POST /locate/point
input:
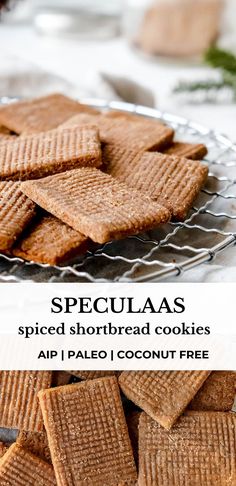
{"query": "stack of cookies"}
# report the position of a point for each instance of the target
(146, 428)
(71, 176)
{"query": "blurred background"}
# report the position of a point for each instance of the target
(178, 55)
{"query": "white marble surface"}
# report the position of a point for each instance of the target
(79, 63)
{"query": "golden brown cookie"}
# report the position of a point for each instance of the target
(217, 393)
(172, 181)
(19, 467)
(49, 240)
(198, 451)
(96, 204)
(16, 212)
(117, 159)
(19, 406)
(188, 150)
(35, 156)
(40, 114)
(87, 434)
(162, 394)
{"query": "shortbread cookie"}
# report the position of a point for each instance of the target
(36, 443)
(139, 134)
(19, 406)
(162, 394)
(217, 393)
(117, 159)
(19, 467)
(40, 114)
(16, 212)
(96, 204)
(188, 150)
(88, 435)
(172, 181)
(35, 156)
(49, 240)
(198, 451)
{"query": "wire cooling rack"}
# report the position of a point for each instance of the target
(170, 250)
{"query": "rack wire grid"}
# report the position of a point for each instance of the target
(170, 250)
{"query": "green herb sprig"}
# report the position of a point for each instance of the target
(219, 58)
(210, 90)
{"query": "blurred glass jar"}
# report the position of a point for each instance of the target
(175, 28)
(86, 19)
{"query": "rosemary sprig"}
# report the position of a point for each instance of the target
(211, 90)
(192, 86)
(219, 58)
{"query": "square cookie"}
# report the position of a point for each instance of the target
(40, 114)
(19, 405)
(96, 204)
(49, 240)
(16, 212)
(217, 393)
(198, 451)
(35, 156)
(188, 150)
(88, 435)
(19, 467)
(162, 394)
(173, 181)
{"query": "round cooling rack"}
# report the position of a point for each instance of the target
(169, 250)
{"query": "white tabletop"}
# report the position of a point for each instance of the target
(77, 60)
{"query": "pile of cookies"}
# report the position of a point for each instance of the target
(71, 176)
(145, 428)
